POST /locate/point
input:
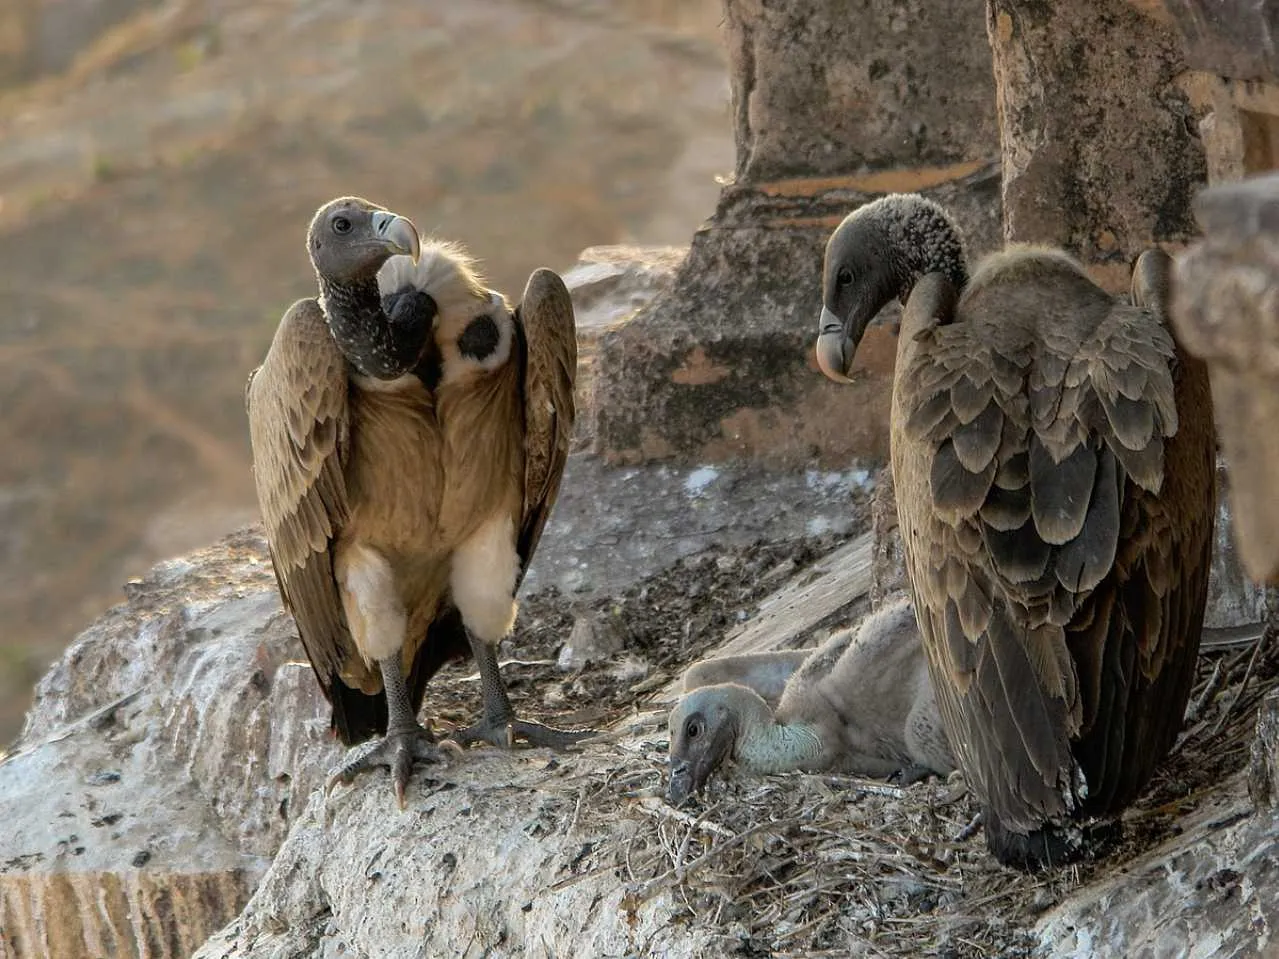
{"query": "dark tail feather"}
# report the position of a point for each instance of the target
(358, 716)
(1049, 846)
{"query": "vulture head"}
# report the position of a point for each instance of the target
(349, 240)
(877, 254)
(705, 728)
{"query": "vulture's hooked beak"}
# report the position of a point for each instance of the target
(689, 774)
(398, 233)
(835, 349)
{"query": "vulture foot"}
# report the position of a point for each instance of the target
(499, 727)
(398, 750)
(504, 733)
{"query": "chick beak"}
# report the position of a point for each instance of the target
(834, 348)
(689, 774)
(398, 233)
(682, 784)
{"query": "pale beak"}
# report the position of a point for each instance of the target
(398, 233)
(834, 349)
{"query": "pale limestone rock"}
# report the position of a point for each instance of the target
(482, 862)
(1263, 767)
(1210, 891)
(164, 758)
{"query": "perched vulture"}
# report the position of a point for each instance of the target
(1052, 450)
(409, 433)
(859, 703)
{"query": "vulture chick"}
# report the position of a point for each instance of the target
(409, 432)
(859, 703)
(1052, 450)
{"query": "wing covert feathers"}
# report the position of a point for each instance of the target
(548, 341)
(1053, 459)
(297, 405)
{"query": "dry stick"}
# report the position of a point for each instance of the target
(577, 810)
(791, 934)
(1243, 685)
(970, 830)
(652, 806)
(1204, 698)
(688, 837)
(681, 872)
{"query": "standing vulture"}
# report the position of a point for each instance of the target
(409, 433)
(1052, 450)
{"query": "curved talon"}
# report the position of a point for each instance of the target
(397, 751)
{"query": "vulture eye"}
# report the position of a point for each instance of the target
(844, 276)
(693, 729)
(341, 225)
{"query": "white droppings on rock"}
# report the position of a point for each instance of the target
(818, 526)
(696, 483)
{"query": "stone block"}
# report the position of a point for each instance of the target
(834, 103)
(1226, 310)
(1237, 121)
(721, 367)
(1234, 598)
(1231, 38)
(1100, 151)
(829, 87)
(609, 285)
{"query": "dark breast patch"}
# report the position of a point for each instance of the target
(480, 338)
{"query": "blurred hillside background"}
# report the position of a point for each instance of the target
(159, 163)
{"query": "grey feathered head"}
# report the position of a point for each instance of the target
(350, 238)
(877, 254)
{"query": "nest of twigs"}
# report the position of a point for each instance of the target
(805, 865)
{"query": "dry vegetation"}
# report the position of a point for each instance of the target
(807, 865)
(833, 865)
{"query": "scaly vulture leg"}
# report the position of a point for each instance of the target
(499, 726)
(406, 740)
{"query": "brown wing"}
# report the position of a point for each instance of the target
(297, 405)
(548, 341)
(1057, 521)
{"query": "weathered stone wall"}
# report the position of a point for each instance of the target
(1226, 310)
(834, 102)
(833, 87)
(1100, 151)
(1231, 38)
